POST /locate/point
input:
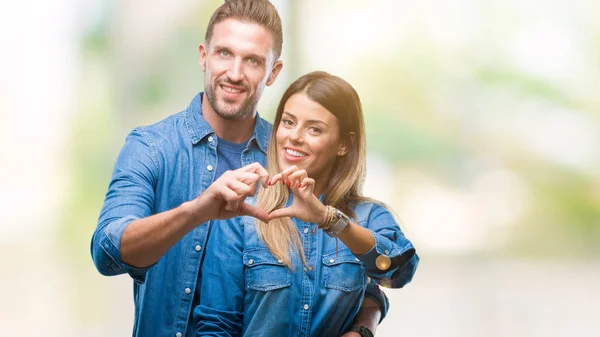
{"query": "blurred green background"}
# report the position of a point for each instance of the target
(483, 122)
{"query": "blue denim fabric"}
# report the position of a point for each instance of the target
(246, 291)
(160, 167)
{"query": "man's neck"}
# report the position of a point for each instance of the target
(235, 131)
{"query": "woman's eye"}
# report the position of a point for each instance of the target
(286, 122)
(314, 130)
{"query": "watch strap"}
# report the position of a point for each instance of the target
(340, 222)
(362, 330)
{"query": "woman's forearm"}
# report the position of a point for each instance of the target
(359, 239)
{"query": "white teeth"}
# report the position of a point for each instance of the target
(295, 153)
(228, 89)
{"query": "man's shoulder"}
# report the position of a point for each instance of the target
(167, 124)
(185, 123)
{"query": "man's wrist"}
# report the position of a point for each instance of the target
(362, 330)
(192, 214)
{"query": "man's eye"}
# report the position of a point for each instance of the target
(253, 61)
(224, 53)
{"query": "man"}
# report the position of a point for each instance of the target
(173, 179)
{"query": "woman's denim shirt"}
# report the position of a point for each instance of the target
(246, 291)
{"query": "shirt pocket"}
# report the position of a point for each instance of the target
(344, 271)
(264, 272)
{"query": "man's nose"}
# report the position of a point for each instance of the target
(236, 70)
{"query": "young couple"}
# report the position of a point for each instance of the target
(211, 257)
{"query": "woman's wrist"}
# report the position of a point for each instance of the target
(324, 213)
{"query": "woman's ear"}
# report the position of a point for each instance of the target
(343, 149)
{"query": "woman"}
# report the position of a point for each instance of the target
(304, 272)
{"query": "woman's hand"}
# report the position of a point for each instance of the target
(306, 206)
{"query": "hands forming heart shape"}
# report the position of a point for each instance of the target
(233, 187)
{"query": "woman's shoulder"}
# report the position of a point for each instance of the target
(368, 208)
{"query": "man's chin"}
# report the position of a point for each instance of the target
(230, 112)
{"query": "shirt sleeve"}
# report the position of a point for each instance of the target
(130, 197)
(390, 245)
(221, 309)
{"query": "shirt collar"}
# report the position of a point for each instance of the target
(199, 128)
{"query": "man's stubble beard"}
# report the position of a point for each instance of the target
(229, 112)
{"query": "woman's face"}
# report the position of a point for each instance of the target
(308, 136)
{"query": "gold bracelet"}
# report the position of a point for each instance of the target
(328, 218)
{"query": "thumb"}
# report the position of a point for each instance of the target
(280, 213)
(257, 212)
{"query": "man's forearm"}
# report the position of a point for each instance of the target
(146, 240)
(369, 315)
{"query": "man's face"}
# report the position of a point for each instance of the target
(238, 64)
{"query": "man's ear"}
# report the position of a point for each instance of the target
(203, 49)
(343, 149)
(274, 72)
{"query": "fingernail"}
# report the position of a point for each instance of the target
(299, 185)
(289, 183)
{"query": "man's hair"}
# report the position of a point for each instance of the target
(261, 12)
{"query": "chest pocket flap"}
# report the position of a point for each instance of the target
(344, 271)
(264, 272)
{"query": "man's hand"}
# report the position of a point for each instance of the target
(224, 198)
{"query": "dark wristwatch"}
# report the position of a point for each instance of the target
(362, 330)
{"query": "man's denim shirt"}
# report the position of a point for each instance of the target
(251, 293)
(160, 167)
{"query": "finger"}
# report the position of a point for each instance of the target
(297, 177)
(290, 170)
(250, 179)
(275, 179)
(280, 213)
(225, 193)
(232, 205)
(285, 173)
(258, 169)
(307, 184)
(257, 212)
(246, 177)
(240, 188)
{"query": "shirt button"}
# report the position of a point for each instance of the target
(306, 307)
(198, 248)
(314, 231)
(305, 230)
(209, 168)
(383, 262)
(305, 269)
(280, 261)
(311, 267)
(331, 261)
(188, 290)
(387, 252)
(210, 138)
(178, 334)
(356, 259)
(250, 261)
